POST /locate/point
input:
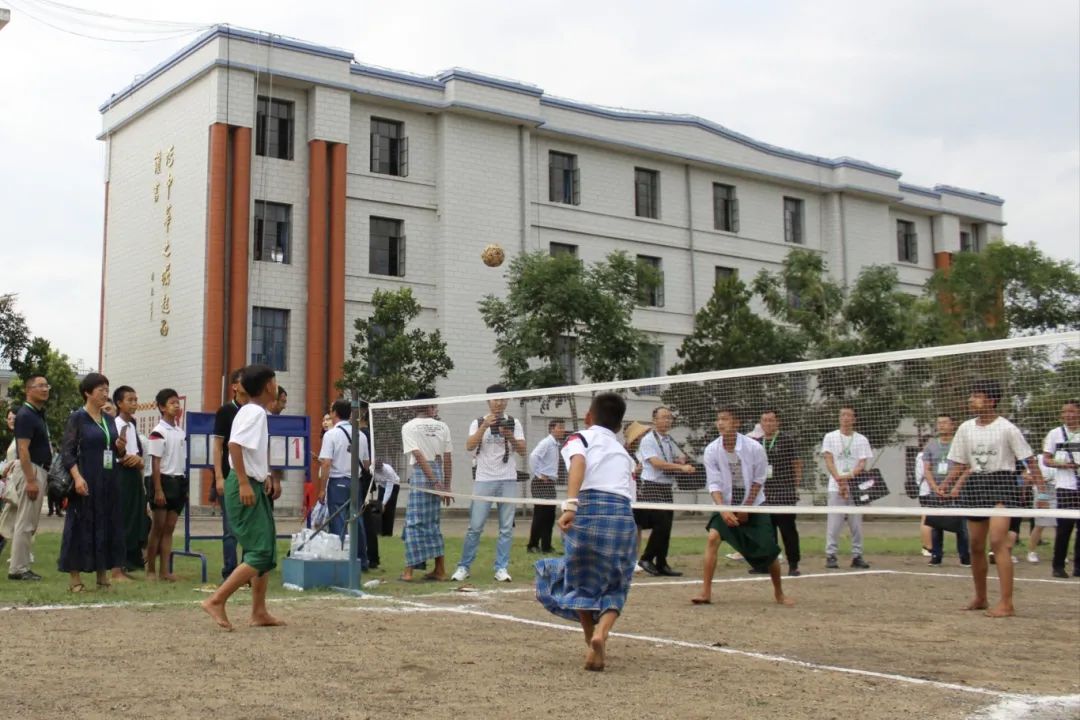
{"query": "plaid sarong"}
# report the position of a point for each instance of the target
(600, 554)
(422, 534)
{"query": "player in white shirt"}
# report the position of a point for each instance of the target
(845, 453)
(168, 490)
(544, 464)
(129, 474)
(729, 459)
(982, 474)
(591, 581)
(249, 505)
(426, 442)
(1061, 453)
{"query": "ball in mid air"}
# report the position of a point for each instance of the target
(493, 256)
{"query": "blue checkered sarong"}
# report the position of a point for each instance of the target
(600, 554)
(422, 534)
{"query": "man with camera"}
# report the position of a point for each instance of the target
(493, 440)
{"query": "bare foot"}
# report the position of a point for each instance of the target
(1000, 611)
(596, 650)
(785, 600)
(436, 577)
(218, 613)
(169, 577)
(977, 604)
(701, 600)
(122, 577)
(265, 620)
(151, 576)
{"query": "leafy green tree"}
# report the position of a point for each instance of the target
(387, 361)
(40, 358)
(14, 334)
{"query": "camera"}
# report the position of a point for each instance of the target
(502, 421)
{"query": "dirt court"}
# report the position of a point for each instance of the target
(885, 643)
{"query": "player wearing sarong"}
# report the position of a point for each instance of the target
(730, 458)
(591, 581)
(426, 442)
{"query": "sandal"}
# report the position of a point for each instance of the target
(76, 588)
(402, 578)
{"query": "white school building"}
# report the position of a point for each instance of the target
(259, 189)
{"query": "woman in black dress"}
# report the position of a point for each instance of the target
(93, 538)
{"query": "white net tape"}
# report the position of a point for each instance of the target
(920, 437)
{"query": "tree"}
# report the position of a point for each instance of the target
(387, 361)
(14, 334)
(40, 358)
(1004, 290)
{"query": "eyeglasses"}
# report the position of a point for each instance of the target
(41, 386)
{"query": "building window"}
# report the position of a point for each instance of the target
(646, 193)
(274, 128)
(969, 240)
(725, 208)
(724, 273)
(272, 225)
(387, 248)
(389, 147)
(270, 337)
(562, 249)
(907, 242)
(564, 179)
(652, 366)
(650, 281)
(793, 221)
(566, 353)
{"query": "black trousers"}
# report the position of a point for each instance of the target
(543, 520)
(1066, 500)
(656, 550)
(389, 510)
(789, 535)
(372, 522)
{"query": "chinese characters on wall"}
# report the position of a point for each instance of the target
(162, 191)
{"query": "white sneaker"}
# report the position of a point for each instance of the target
(734, 556)
(780, 557)
(502, 576)
(1033, 557)
(638, 569)
(927, 553)
(460, 575)
(1014, 559)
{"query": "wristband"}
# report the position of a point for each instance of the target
(570, 505)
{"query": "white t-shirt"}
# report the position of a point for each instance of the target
(251, 432)
(492, 449)
(608, 467)
(128, 431)
(428, 435)
(920, 476)
(168, 443)
(1062, 478)
(662, 447)
(752, 466)
(386, 478)
(846, 451)
(989, 448)
(337, 448)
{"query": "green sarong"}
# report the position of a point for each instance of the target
(253, 526)
(755, 539)
(133, 511)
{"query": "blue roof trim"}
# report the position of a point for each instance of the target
(716, 129)
(225, 31)
(970, 194)
(382, 73)
(919, 190)
(489, 80)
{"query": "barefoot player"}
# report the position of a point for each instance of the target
(982, 473)
(248, 504)
(590, 582)
(734, 457)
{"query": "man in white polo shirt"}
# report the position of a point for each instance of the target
(1061, 453)
(846, 453)
(494, 439)
(661, 460)
(335, 473)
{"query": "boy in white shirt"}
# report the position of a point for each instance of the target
(1063, 461)
(426, 442)
(591, 581)
(168, 489)
(982, 473)
(248, 503)
(845, 453)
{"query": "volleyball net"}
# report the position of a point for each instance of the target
(889, 433)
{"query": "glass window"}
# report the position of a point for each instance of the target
(564, 180)
(650, 281)
(723, 273)
(389, 147)
(562, 249)
(646, 193)
(274, 128)
(566, 351)
(272, 232)
(907, 242)
(793, 221)
(387, 247)
(270, 337)
(725, 208)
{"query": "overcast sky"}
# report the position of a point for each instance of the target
(983, 95)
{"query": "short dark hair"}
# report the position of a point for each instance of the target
(496, 388)
(424, 395)
(92, 382)
(945, 415)
(342, 409)
(236, 375)
(256, 378)
(120, 392)
(988, 387)
(607, 410)
(1074, 401)
(34, 376)
(555, 421)
(658, 409)
(730, 410)
(849, 406)
(771, 411)
(281, 392)
(164, 396)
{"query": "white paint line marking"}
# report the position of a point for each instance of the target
(968, 577)
(145, 604)
(1029, 708)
